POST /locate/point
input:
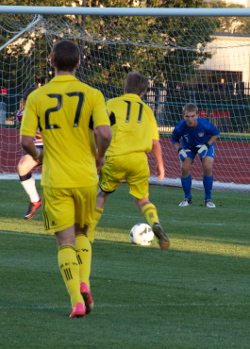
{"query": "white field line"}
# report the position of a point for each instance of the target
(49, 307)
(173, 182)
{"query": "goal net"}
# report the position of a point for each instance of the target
(187, 59)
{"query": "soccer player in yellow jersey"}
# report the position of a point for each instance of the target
(134, 133)
(67, 111)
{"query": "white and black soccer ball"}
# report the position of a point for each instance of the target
(141, 234)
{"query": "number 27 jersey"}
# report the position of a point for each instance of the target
(66, 110)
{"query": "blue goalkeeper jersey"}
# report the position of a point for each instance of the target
(189, 138)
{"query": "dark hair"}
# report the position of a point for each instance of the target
(135, 83)
(65, 55)
(190, 107)
(27, 92)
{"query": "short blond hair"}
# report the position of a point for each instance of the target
(190, 107)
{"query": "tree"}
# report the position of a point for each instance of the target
(231, 24)
(167, 49)
(159, 46)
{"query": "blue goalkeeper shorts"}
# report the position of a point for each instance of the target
(192, 153)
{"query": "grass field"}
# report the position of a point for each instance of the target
(195, 295)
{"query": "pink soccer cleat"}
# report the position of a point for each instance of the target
(79, 310)
(86, 295)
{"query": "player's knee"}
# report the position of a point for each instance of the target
(208, 169)
(185, 167)
(23, 169)
(185, 171)
(137, 203)
(140, 203)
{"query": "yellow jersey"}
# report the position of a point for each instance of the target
(66, 110)
(133, 125)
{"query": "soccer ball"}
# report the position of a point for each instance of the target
(141, 234)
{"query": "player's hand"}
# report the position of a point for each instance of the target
(39, 159)
(100, 161)
(160, 172)
(203, 149)
(183, 153)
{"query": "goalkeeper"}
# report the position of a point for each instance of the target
(192, 136)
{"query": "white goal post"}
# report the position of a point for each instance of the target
(186, 53)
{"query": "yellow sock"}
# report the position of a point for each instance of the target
(69, 269)
(97, 216)
(84, 257)
(150, 213)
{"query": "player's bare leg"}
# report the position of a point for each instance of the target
(24, 168)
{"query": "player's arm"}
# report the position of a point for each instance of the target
(177, 146)
(203, 148)
(27, 143)
(211, 130)
(175, 139)
(156, 145)
(182, 153)
(102, 130)
(27, 133)
(212, 139)
(103, 138)
(157, 152)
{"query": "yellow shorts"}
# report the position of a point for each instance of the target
(133, 168)
(63, 207)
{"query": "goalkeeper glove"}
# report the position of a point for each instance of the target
(183, 153)
(203, 149)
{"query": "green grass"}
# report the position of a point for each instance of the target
(195, 295)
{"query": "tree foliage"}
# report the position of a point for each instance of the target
(231, 24)
(159, 46)
(163, 48)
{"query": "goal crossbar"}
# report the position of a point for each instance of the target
(128, 11)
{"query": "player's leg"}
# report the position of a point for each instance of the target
(137, 180)
(207, 163)
(24, 168)
(150, 213)
(110, 178)
(59, 218)
(186, 180)
(84, 258)
(85, 200)
(101, 200)
(69, 268)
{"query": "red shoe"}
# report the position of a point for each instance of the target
(78, 310)
(86, 295)
(33, 206)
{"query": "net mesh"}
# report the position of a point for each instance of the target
(186, 59)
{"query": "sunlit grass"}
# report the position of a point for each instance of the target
(193, 296)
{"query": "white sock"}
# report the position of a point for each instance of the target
(30, 187)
